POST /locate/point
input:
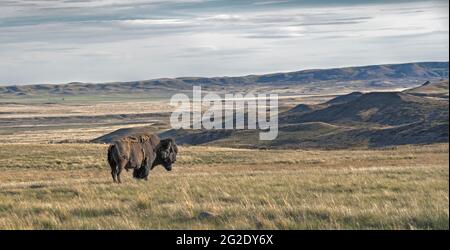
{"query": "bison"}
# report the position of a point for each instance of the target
(141, 153)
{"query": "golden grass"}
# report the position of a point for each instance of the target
(51, 135)
(27, 110)
(68, 186)
(19, 122)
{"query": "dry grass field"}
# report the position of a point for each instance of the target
(68, 186)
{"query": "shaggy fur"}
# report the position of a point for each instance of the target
(141, 153)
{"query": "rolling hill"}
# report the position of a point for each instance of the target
(385, 108)
(314, 80)
(437, 89)
(375, 119)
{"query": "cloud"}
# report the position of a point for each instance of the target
(214, 51)
(269, 2)
(52, 40)
(152, 22)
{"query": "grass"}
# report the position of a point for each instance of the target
(68, 186)
(56, 122)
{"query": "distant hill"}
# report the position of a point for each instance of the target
(345, 98)
(431, 89)
(376, 76)
(384, 108)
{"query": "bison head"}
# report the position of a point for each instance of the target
(167, 153)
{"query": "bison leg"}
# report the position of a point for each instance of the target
(145, 170)
(136, 173)
(141, 172)
(121, 166)
(118, 176)
(113, 174)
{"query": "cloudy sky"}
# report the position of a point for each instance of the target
(57, 41)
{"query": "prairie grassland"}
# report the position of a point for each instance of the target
(50, 134)
(68, 186)
(56, 122)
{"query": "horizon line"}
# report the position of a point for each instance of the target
(225, 76)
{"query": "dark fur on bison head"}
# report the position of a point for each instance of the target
(167, 153)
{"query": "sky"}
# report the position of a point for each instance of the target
(60, 41)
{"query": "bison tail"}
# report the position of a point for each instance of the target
(111, 150)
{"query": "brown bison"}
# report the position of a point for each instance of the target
(141, 153)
